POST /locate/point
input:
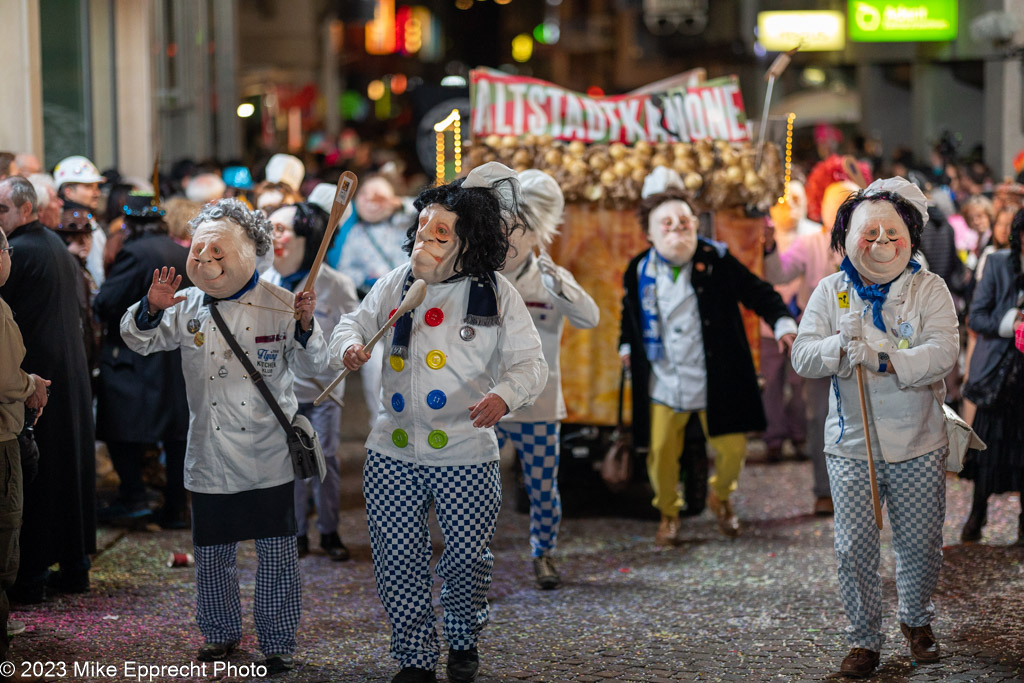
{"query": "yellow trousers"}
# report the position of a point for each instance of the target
(667, 434)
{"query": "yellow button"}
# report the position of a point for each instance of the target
(435, 359)
(397, 363)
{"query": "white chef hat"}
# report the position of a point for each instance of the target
(284, 168)
(903, 187)
(501, 180)
(661, 179)
(543, 204)
(323, 196)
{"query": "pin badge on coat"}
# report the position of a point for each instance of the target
(467, 333)
(193, 325)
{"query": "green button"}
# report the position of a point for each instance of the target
(400, 438)
(437, 439)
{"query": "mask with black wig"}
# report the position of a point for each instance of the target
(463, 227)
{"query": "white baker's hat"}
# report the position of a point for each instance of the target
(323, 196)
(661, 179)
(284, 168)
(76, 169)
(543, 203)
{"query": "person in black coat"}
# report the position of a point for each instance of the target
(140, 399)
(996, 382)
(684, 342)
(59, 517)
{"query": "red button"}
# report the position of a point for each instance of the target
(391, 314)
(434, 317)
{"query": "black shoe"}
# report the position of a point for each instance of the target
(302, 541)
(279, 664)
(463, 665)
(972, 528)
(332, 545)
(214, 652)
(413, 675)
(27, 593)
(545, 573)
(123, 511)
(171, 519)
(68, 582)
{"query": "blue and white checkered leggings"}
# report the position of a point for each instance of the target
(914, 492)
(539, 445)
(278, 602)
(466, 499)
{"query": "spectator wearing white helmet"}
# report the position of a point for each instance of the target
(551, 294)
(50, 204)
(78, 184)
(284, 168)
(205, 187)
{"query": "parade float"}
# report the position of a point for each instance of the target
(600, 149)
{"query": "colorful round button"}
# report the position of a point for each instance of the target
(434, 317)
(436, 359)
(437, 439)
(436, 399)
(400, 438)
(391, 314)
(398, 403)
(397, 363)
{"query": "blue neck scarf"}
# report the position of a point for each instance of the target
(249, 285)
(873, 294)
(650, 325)
(290, 281)
(481, 311)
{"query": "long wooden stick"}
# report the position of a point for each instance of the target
(413, 298)
(875, 499)
(321, 387)
(347, 184)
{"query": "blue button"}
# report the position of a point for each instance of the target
(436, 399)
(398, 403)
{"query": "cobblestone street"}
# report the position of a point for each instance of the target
(763, 607)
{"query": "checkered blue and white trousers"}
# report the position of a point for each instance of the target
(539, 445)
(466, 499)
(278, 602)
(914, 493)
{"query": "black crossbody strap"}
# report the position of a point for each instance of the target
(254, 375)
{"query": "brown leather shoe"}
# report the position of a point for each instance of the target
(823, 506)
(923, 646)
(668, 532)
(727, 522)
(860, 663)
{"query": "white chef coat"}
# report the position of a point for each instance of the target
(335, 295)
(424, 416)
(548, 311)
(907, 420)
(234, 441)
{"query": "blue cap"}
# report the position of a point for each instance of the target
(238, 176)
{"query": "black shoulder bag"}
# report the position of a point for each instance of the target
(303, 444)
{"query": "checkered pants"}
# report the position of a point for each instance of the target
(466, 499)
(539, 446)
(914, 493)
(278, 603)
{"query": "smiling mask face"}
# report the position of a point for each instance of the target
(672, 229)
(878, 242)
(222, 258)
(437, 245)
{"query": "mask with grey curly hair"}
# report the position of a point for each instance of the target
(227, 236)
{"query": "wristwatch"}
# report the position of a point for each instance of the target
(883, 361)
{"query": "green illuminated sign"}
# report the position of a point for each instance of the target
(876, 21)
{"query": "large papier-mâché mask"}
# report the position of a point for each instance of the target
(222, 258)
(437, 246)
(289, 248)
(672, 229)
(878, 242)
